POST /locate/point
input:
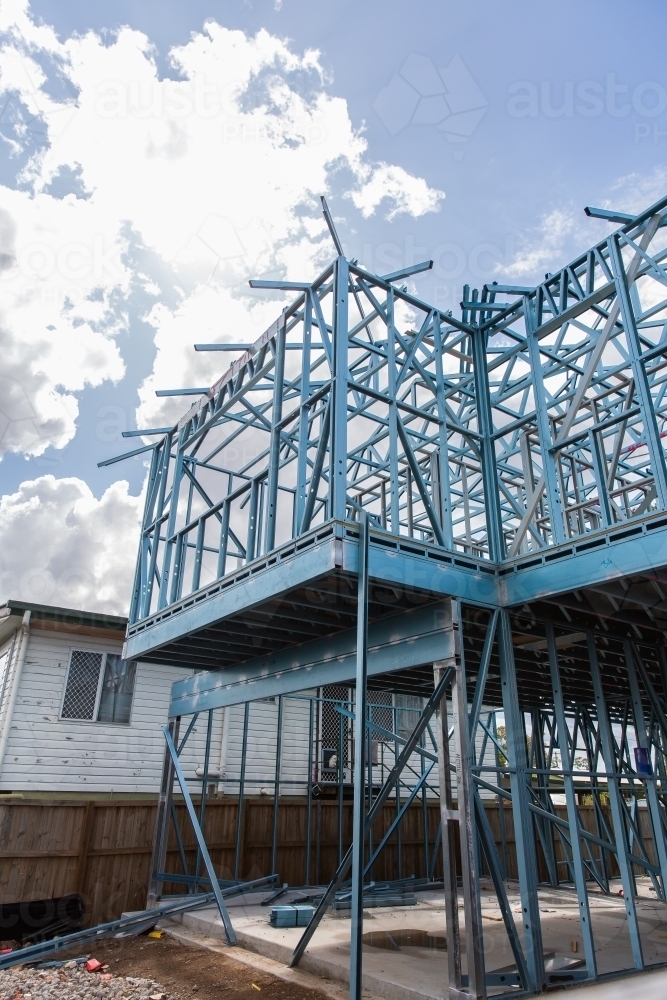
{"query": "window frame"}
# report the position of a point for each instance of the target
(98, 696)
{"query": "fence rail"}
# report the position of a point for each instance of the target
(102, 850)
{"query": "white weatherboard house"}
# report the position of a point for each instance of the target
(78, 720)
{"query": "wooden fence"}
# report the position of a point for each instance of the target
(102, 850)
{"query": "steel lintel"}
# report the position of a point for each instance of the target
(412, 639)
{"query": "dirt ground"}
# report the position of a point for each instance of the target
(187, 971)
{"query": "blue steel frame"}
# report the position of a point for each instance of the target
(507, 459)
(521, 427)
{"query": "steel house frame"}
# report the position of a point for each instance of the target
(474, 509)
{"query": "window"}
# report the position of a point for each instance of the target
(410, 707)
(117, 690)
(99, 687)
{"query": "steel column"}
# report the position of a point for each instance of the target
(649, 781)
(449, 815)
(276, 786)
(239, 808)
(523, 823)
(338, 468)
(360, 743)
(164, 806)
(467, 827)
(616, 804)
(566, 757)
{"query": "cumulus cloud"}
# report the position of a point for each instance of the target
(60, 545)
(211, 167)
(162, 194)
(403, 192)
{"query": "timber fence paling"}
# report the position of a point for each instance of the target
(102, 849)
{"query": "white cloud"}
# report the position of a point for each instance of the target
(174, 190)
(61, 546)
(209, 170)
(405, 193)
(565, 232)
(545, 247)
(634, 192)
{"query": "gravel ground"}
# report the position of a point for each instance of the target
(146, 967)
(77, 984)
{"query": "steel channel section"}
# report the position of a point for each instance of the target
(551, 479)
(412, 639)
(649, 781)
(449, 816)
(489, 474)
(204, 785)
(276, 786)
(616, 805)
(361, 744)
(467, 830)
(566, 756)
(523, 823)
(164, 810)
(239, 807)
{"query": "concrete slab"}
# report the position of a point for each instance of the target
(416, 972)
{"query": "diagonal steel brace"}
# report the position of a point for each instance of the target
(382, 797)
(206, 857)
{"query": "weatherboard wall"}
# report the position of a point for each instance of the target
(48, 754)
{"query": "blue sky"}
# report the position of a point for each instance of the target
(471, 133)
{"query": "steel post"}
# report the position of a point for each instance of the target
(616, 805)
(643, 741)
(467, 827)
(566, 756)
(360, 743)
(164, 805)
(276, 786)
(239, 808)
(523, 823)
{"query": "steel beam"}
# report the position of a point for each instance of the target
(394, 643)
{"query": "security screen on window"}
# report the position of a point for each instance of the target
(99, 688)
